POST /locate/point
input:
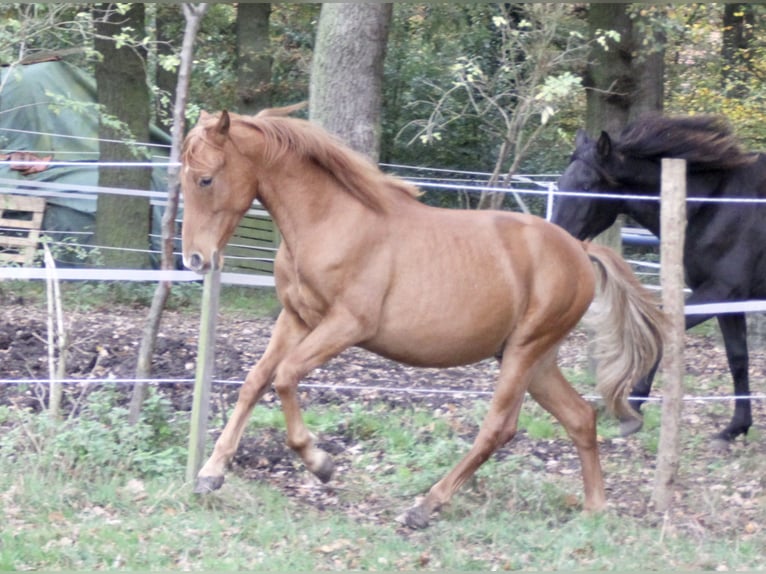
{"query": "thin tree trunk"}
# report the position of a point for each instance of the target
(193, 15)
(253, 57)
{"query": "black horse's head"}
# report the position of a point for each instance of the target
(597, 167)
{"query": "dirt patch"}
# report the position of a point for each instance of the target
(104, 343)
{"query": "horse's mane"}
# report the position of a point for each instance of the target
(705, 141)
(356, 173)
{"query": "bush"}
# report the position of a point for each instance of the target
(98, 441)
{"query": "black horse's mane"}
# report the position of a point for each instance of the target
(705, 141)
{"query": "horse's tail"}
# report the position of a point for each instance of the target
(629, 327)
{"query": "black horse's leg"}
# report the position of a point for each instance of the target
(638, 395)
(734, 330)
(643, 387)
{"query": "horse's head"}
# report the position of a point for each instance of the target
(591, 170)
(217, 189)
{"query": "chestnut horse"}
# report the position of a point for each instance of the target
(364, 263)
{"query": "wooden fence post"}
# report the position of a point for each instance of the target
(204, 373)
(672, 232)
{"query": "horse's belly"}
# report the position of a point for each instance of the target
(446, 341)
(438, 355)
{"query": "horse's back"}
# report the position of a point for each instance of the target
(726, 242)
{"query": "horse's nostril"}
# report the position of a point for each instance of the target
(195, 262)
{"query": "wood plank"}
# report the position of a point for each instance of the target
(20, 235)
(19, 223)
(255, 241)
(13, 258)
(6, 241)
(22, 203)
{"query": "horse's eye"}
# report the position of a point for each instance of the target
(205, 181)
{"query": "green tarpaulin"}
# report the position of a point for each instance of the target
(49, 109)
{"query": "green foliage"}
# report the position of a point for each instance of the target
(28, 29)
(700, 80)
(255, 301)
(501, 76)
(98, 441)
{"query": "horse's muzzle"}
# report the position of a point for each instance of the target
(197, 263)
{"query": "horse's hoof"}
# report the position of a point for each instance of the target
(720, 445)
(630, 426)
(207, 484)
(326, 469)
(416, 517)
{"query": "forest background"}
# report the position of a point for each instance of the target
(490, 88)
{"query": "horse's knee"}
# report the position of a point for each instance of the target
(254, 386)
(506, 435)
(582, 427)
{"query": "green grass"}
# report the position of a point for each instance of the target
(94, 494)
(90, 295)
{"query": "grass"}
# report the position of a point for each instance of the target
(92, 493)
(66, 509)
(89, 295)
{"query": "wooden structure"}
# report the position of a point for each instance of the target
(21, 218)
(254, 245)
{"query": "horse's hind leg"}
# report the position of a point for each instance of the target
(556, 395)
(288, 332)
(734, 331)
(498, 427)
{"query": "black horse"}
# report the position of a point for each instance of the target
(725, 248)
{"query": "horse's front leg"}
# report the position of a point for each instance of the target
(337, 331)
(288, 331)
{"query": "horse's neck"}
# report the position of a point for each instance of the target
(303, 209)
(646, 213)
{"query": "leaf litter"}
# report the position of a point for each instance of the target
(718, 493)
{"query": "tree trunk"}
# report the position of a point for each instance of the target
(347, 72)
(648, 69)
(122, 222)
(623, 82)
(608, 79)
(253, 57)
(193, 15)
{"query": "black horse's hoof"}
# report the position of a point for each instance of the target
(720, 445)
(630, 426)
(207, 484)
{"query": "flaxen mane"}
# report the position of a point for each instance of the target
(705, 141)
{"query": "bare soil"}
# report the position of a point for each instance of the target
(719, 493)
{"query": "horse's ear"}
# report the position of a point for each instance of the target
(222, 128)
(604, 146)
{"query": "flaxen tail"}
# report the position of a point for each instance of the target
(628, 326)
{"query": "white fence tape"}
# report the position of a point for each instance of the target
(65, 274)
(354, 388)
